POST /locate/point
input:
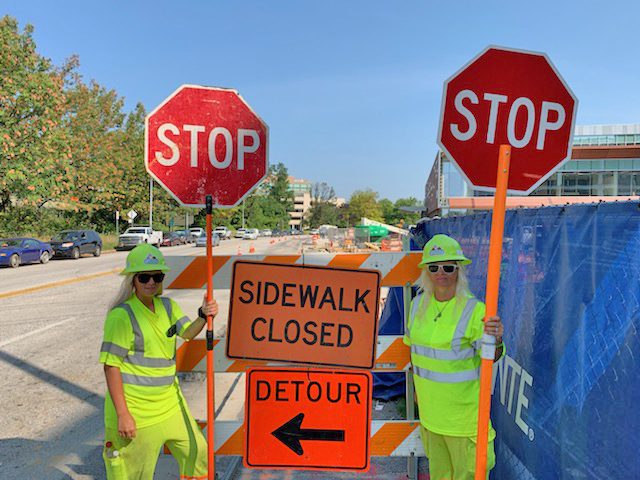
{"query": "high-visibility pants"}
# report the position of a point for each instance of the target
(453, 458)
(136, 459)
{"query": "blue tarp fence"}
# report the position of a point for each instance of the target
(566, 398)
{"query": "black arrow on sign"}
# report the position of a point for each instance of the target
(291, 433)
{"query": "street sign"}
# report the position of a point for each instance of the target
(308, 419)
(303, 314)
(512, 97)
(206, 141)
(132, 214)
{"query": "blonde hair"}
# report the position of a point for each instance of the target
(462, 287)
(125, 292)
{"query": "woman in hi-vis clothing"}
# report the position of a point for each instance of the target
(144, 408)
(444, 330)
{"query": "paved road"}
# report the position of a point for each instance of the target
(53, 387)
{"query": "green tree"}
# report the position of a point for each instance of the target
(323, 211)
(33, 143)
(364, 203)
(388, 210)
(279, 186)
(411, 212)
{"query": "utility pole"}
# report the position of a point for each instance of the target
(242, 213)
(151, 203)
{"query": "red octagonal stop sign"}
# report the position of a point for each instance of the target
(510, 97)
(206, 141)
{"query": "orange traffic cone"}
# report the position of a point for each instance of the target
(239, 251)
(252, 249)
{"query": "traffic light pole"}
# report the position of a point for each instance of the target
(493, 283)
(210, 372)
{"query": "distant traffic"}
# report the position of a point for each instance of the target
(73, 244)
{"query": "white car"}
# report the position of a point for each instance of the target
(240, 232)
(251, 234)
(194, 233)
(137, 235)
(201, 241)
(223, 232)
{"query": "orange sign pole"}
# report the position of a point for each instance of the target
(210, 377)
(493, 284)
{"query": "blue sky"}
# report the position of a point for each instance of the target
(351, 90)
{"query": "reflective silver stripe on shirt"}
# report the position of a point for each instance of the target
(138, 357)
(113, 349)
(453, 377)
(141, 360)
(138, 339)
(439, 354)
(414, 311)
(181, 323)
(166, 302)
(147, 381)
(463, 323)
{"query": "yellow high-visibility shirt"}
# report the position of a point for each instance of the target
(445, 354)
(136, 341)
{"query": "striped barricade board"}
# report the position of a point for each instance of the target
(396, 268)
(391, 355)
(389, 438)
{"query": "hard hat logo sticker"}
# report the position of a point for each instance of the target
(151, 260)
(436, 251)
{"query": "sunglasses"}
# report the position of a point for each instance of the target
(448, 269)
(145, 277)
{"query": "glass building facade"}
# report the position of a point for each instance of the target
(605, 162)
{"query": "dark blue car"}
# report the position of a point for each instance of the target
(16, 251)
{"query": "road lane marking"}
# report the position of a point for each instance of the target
(34, 332)
(44, 286)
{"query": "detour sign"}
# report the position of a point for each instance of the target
(307, 419)
(303, 314)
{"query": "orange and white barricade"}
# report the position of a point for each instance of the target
(388, 438)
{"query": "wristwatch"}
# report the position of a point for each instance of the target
(201, 314)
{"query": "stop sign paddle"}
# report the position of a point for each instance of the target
(206, 141)
(507, 97)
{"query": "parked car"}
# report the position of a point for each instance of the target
(266, 233)
(169, 239)
(136, 235)
(240, 232)
(201, 241)
(16, 251)
(194, 233)
(251, 234)
(75, 243)
(223, 232)
(314, 231)
(182, 234)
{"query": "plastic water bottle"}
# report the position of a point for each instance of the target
(114, 463)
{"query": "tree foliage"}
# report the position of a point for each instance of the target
(401, 213)
(364, 203)
(323, 209)
(34, 143)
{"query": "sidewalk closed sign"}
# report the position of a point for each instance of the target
(308, 419)
(303, 314)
